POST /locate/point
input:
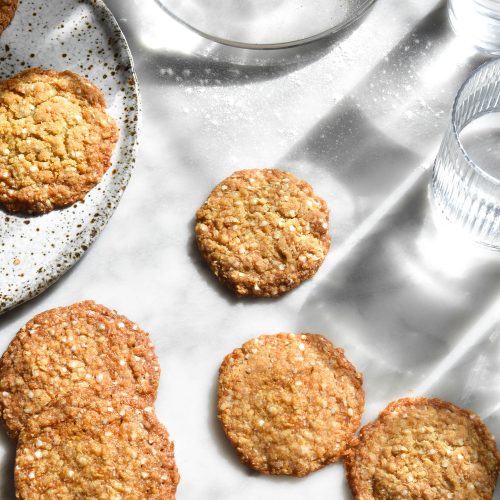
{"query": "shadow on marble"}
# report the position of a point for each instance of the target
(214, 64)
(176, 69)
(392, 116)
(403, 298)
(7, 484)
(474, 383)
(338, 149)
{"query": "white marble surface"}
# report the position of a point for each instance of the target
(360, 118)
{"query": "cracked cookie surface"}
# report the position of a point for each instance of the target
(87, 447)
(82, 346)
(7, 11)
(56, 140)
(424, 449)
(290, 404)
(263, 232)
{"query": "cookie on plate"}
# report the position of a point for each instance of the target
(290, 404)
(424, 448)
(56, 140)
(7, 11)
(263, 232)
(84, 345)
(86, 447)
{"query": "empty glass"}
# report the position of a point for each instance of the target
(466, 178)
(265, 23)
(478, 21)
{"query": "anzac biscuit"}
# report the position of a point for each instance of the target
(263, 232)
(80, 346)
(7, 11)
(290, 404)
(423, 449)
(56, 140)
(84, 447)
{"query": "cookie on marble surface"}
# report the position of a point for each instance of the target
(84, 345)
(290, 404)
(424, 448)
(7, 11)
(56, 140)
(87, 447)
(263, 232)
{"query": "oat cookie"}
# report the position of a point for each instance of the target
(84, 447)
(424, 449)
(263, 232)
(85, 345)
(7, 11)
(290, 404)
(56, 140)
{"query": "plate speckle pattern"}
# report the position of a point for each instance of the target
(81, 36)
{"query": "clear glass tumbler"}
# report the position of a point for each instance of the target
(265, 24)
(466, 192)
(478, 21)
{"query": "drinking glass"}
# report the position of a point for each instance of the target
(265, 24)
(478, 21)
(466, 179)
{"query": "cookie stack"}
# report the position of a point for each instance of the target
(78, 385)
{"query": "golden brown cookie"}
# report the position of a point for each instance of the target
(56, 140)
(85, 345)
(7, 12)
(84, 447)
(263, 232)
(290, 404)
(424, 449)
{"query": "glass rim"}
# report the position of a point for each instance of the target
(456, 134)
(272, 46)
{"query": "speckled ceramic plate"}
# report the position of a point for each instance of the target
(82, 36)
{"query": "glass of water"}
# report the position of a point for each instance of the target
(478, 21)
(466, 179)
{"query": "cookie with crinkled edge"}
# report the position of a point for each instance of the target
(424, 448)
(56, 140)
(290, 404)
(7, 11)
(88, 447)
(81, 346)
(263, 232)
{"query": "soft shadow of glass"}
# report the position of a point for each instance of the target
(393, 299)
(474, 381)
(359, 163)
(403, 297)
(383, 130)
(185, 57)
